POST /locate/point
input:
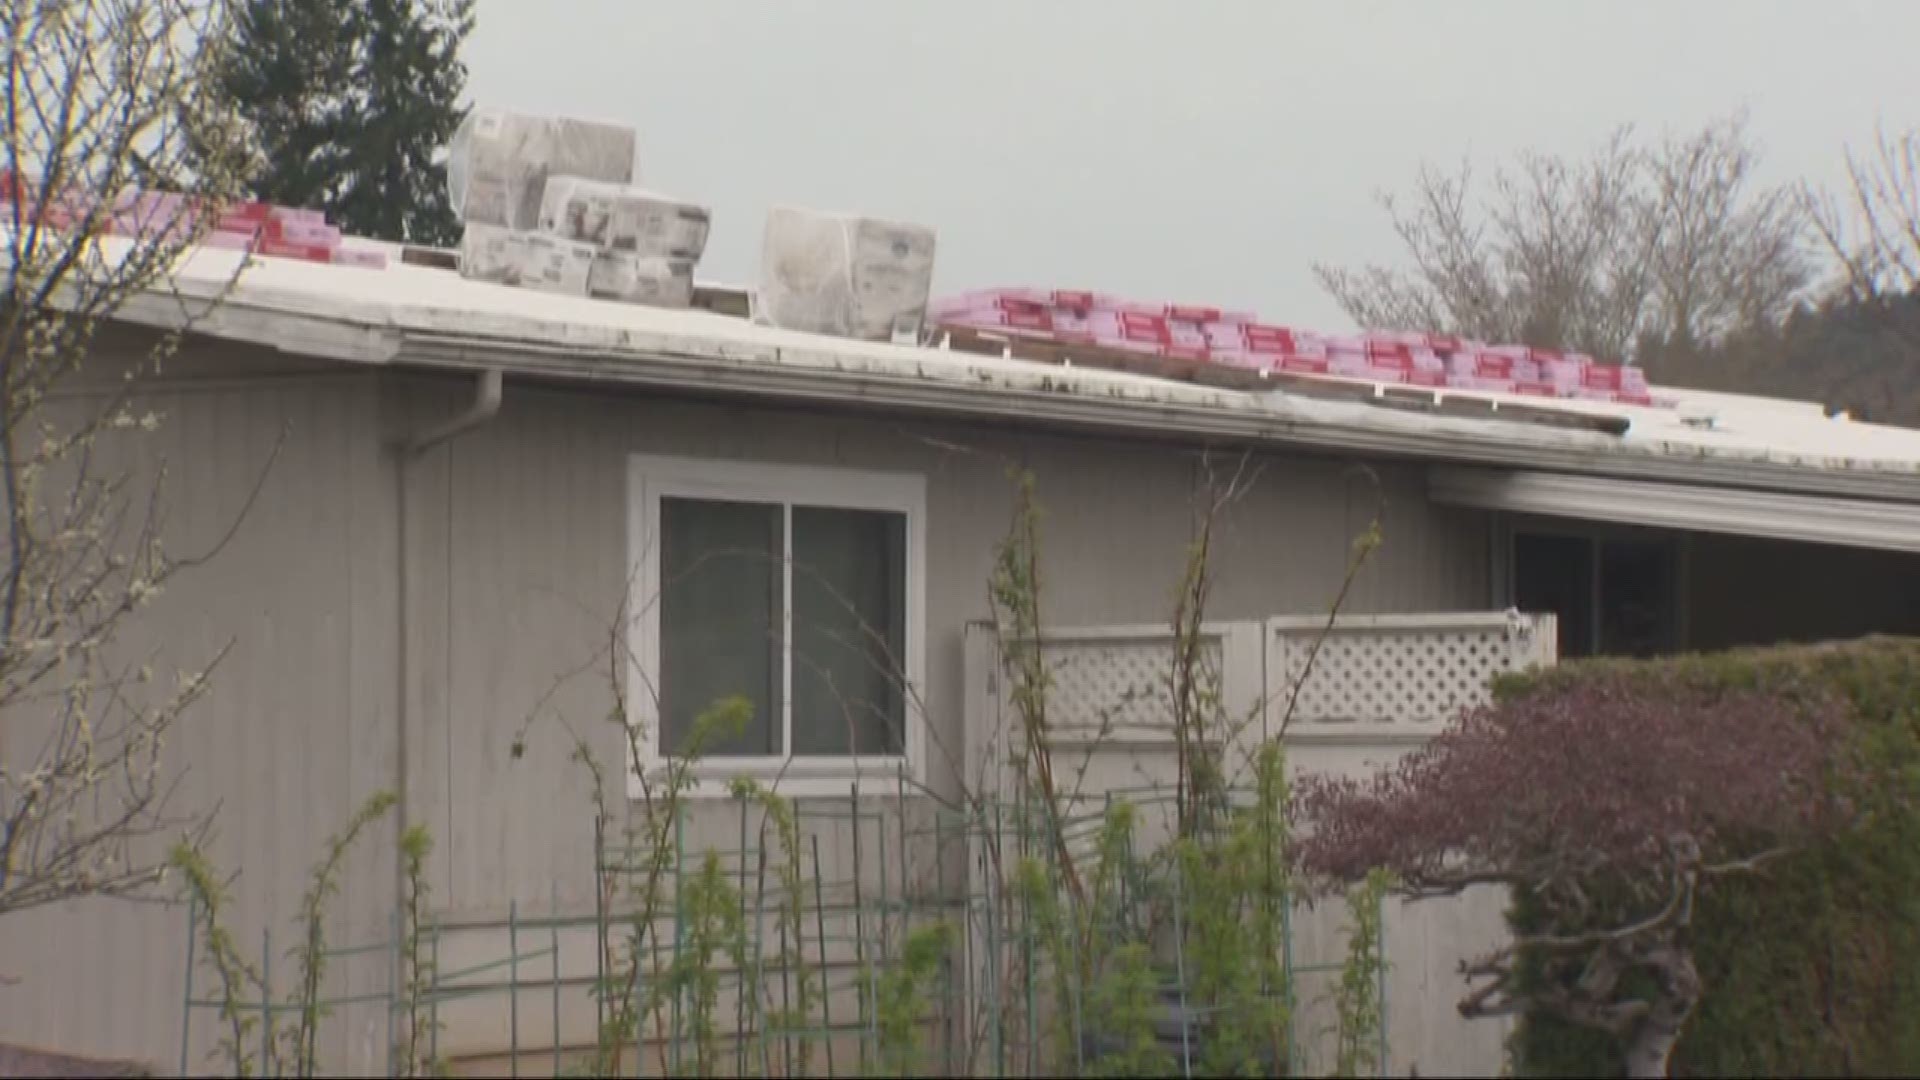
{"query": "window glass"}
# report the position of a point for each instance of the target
(849, 631)
(720, 600)
(1636, 598)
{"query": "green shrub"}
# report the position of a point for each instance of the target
(1811, 965)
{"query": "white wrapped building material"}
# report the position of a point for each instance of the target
(641, 279)
(490, 253)
(551, 264)
(621, 217)
(844, 275)
(498, 162)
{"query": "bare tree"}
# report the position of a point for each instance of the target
(1872, 228)
(1674, 242)
(98, 93)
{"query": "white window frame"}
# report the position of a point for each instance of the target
(652, 478)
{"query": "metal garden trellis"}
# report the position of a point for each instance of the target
(853, 930)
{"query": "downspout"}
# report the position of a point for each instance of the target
(485, 406)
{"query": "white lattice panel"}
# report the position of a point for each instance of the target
(1380, 685)
(1116, 686)
(1407, 671)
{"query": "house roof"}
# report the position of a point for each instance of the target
(420, 316)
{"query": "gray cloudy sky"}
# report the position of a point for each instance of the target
(1196, 151)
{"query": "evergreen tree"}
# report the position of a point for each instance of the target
(287, 73)
(412, 78)
(349, 104)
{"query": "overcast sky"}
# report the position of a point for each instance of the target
(1194, 151)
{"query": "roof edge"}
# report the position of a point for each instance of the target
(1459, 442)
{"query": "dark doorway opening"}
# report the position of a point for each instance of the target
(1613, 595)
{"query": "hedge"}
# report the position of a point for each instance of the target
(1813, 965)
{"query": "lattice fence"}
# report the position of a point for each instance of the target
(1373, 688)
(1402, 674)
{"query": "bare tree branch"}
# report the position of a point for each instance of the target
(1676, 241)
(1872, 227)
(88, 87)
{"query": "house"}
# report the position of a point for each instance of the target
(467, 488)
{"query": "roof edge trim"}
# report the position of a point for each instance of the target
(1805, 518)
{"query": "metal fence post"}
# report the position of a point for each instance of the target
(186, 1012)
(553, 939)
(513, 989)
(266, 997)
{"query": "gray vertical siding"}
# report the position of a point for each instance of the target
(520, 570)
(514, 570)
(297, 728)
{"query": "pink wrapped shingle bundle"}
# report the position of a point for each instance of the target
(1280, 348)
(1082, 326)
(1197, 313)
(303, 231)
(290, 232)
(1503, 370)
(1353, 357)
(229, 240)
(1079, 301)
(1415, 364)
(361, 258)
(1564, 372)
(1241, 358)
(1000, 309)
(1189, 335)
(1260, 338)
(161, 217)
(1238, 339)
(1039, 321)
(164, 217)
(1614, 382)
(1225, 337)
(1347, 356)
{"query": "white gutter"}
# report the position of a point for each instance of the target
(1047, 395)
(1807, 518)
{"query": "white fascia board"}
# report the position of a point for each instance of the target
(1038, 394)
(1815, 519)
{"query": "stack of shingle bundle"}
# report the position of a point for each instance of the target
(844, 275)
(551, 204)
(1240, 339)
(287, 233)
(168, 217)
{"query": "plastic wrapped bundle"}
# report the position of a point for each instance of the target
(498, 162)
(490, 253)
(621, 217)
(843, 275)
(641, 279)
(551, 264)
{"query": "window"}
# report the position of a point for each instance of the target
(798, 589)
(1615, 593)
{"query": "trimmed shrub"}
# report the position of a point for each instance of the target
(1812, 964)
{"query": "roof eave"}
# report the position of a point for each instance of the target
(1550, 450)
(1044, 395)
